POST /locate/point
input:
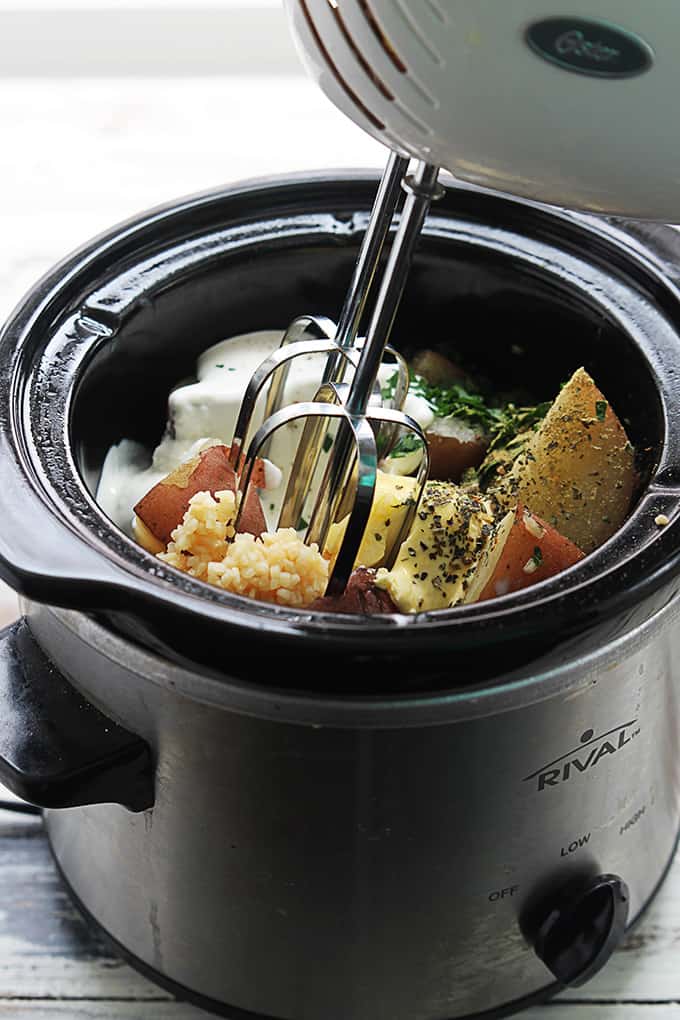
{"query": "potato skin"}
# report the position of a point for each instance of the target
(145, 537)
(436, 368)
(451, 455)
(578, 471)
(164, 506)
(360, 596)
(527, 550)
(452, 445)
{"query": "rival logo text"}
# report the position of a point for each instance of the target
(587, 755)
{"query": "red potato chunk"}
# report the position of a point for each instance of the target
(453, 447)
(436, 368)
(360, 596)
(162, 509)
(523, 551)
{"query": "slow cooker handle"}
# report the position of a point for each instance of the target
(47, 561)
(56, 749)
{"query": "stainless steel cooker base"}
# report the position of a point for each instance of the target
(222, 1009)
(369, 860)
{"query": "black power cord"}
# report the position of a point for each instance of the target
(20, 807)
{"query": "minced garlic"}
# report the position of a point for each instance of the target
(274, 567)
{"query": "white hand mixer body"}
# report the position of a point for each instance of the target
(567, 104)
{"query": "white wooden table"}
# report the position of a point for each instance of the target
(76, 156)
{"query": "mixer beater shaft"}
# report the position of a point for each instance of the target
(352, 461)
(366, 264)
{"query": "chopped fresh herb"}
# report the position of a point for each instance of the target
(327, 442)
(470, 478)
(600, 409)
(537, 556)
(302, 524)
(232, 368)
(500, 423)
(507, 426)
(389, 387)
(406, 444)
(454, 401)
(219, 366)
(511, 421)
(509, 437)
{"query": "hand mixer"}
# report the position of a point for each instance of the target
(563, 108)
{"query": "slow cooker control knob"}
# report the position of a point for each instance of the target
(582, 928)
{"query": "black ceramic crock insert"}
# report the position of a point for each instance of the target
(89, 356)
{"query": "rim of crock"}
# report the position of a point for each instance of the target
(126, 582)
(550, 677)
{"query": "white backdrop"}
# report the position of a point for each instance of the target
(169, 37)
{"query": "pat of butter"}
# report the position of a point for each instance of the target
(437, 561)
(392, 499)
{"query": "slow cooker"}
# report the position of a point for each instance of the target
(303, 815)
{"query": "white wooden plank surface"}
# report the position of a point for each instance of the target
(76, 157)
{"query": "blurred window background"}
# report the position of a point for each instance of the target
(171, 37)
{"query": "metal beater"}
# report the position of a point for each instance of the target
(365, 426)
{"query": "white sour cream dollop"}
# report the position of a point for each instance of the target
(203, 413)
